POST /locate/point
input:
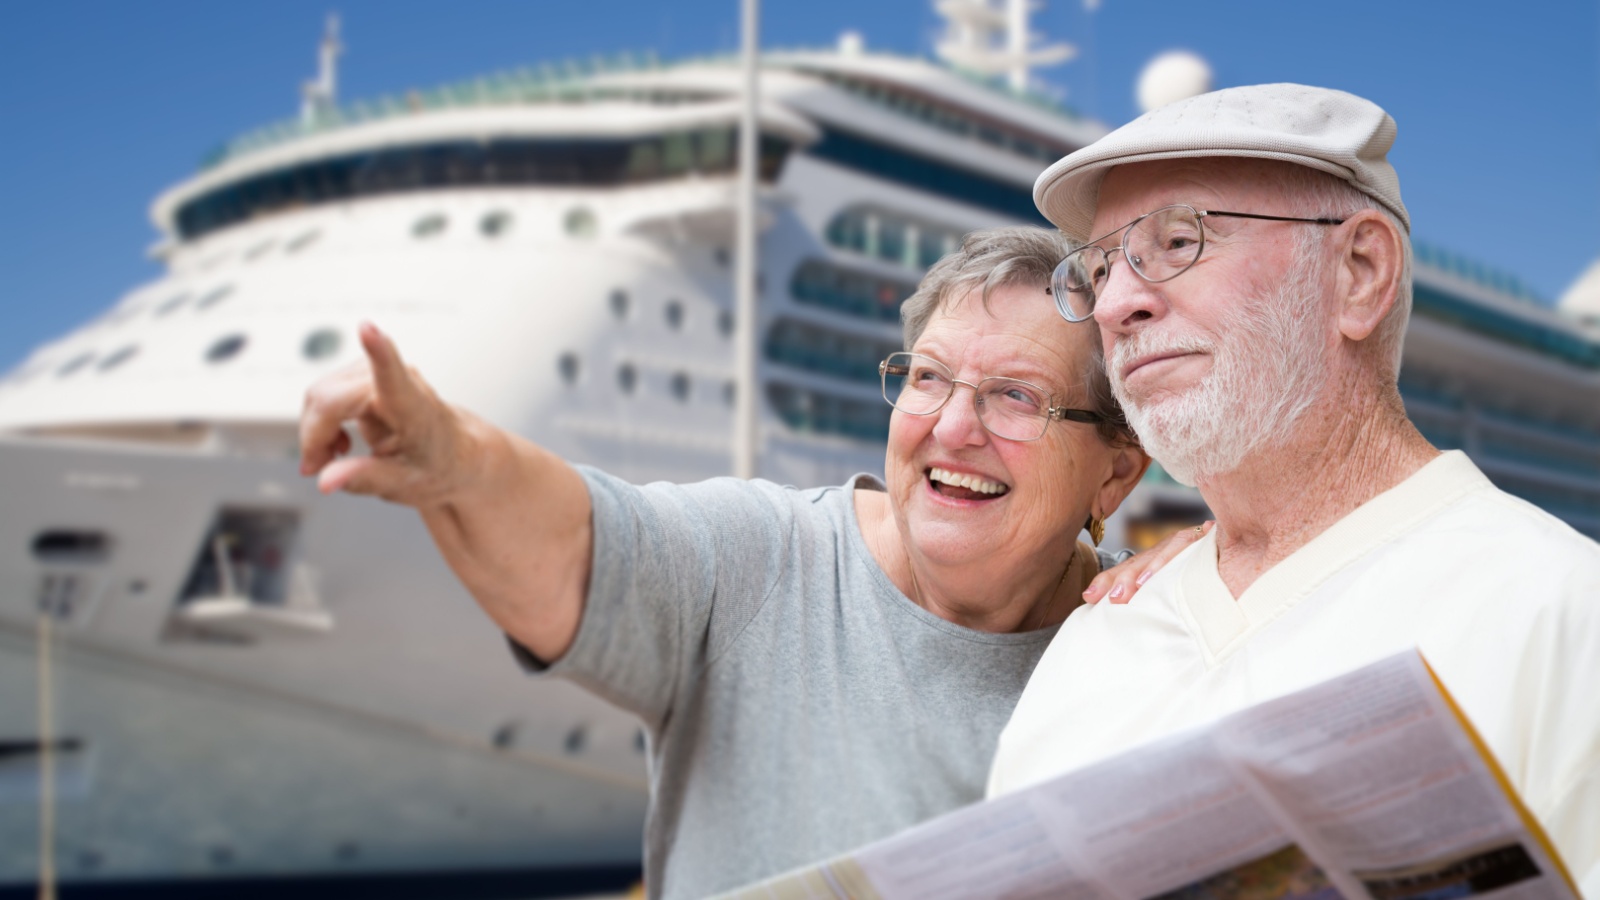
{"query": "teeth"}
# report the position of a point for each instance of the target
(970, 482)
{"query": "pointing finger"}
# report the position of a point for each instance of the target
(389, 373)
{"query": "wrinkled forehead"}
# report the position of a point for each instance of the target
(1219, 182)
(1017, 333)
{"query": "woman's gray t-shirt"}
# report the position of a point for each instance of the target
(799, 705)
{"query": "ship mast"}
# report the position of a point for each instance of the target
(991, 38)
(317, 98)
(745, 437)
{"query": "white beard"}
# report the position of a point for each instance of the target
(1268, 361)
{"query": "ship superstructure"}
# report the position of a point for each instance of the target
(255, 680)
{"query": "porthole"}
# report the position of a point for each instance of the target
(119, 357)
(74, 364)
(225, 348)
(171, 305)
(725, 322)
(627, 378)
(680, 386)
(674, 315)
(495, 224)
(568, 366)
(730, 392)
(302, 242)
(320, 344)
(581, 223)
(429, 226)
(722, 256)
(259, 250)
(619, 304)
(213, 297)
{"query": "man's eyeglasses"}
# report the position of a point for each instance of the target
(1007, 407)
(1159, 246)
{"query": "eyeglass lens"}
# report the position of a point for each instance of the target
(1158, 246)
(921, 385)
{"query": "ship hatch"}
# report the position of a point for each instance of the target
(248, 581)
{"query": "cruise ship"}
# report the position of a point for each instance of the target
(212, 677)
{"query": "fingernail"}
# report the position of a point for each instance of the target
(1143, 577)
(1115, 593)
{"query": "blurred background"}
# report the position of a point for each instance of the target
(213, 681)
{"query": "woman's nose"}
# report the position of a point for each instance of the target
(958, 424)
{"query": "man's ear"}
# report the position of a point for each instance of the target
(1371, 258)
(1128, 465)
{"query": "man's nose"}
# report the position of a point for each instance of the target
(1126, 299)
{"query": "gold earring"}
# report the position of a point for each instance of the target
(1097, 529)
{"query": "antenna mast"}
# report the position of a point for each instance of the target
(991, 37)
(317, 98)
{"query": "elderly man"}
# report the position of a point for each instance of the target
(1249, 271)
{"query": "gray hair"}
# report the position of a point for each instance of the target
(1006, 257)
(1312, 194)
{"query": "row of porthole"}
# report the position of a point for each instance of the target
(679, 384)
(673, 313)
(580, 222)
(318, 345)
(294, 246)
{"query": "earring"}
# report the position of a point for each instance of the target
(1097, 529)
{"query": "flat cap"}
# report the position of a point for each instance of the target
(1331, 131)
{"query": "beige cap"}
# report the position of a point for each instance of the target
(1328, 130)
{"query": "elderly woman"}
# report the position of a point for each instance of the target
(815, 668)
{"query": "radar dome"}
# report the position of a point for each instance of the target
(1172, 76)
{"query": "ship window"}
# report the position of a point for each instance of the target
(213, 297)
(680, 386)
(925, 173)
(171, 305)
(730, 392)
(429, 226)
(619, 304)
(76, 363)
(568, 366)
(495, 224)
(891, 237)
(817, 283)
(674, 315)
(225, 348)
(259, 250)
(581, 223)
(320, 344)
(725, 323)
(722, 256)
(302, 242)
(571, 162)
(71, 546)
(814, 411)
(627, 377)
(119, 357)
(826, 351)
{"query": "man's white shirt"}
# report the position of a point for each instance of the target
(1502, 598)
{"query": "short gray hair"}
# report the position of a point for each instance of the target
(1314, 194)
(1006, 257)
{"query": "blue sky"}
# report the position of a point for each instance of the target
(106, 103)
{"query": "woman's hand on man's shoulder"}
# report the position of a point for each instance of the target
(1119, 583)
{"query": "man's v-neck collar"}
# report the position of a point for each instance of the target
(1221, 624)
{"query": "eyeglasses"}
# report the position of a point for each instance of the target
(1159, 246)
(1008, 408)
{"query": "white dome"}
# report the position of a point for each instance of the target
(1582, 300)
(1172, 76)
